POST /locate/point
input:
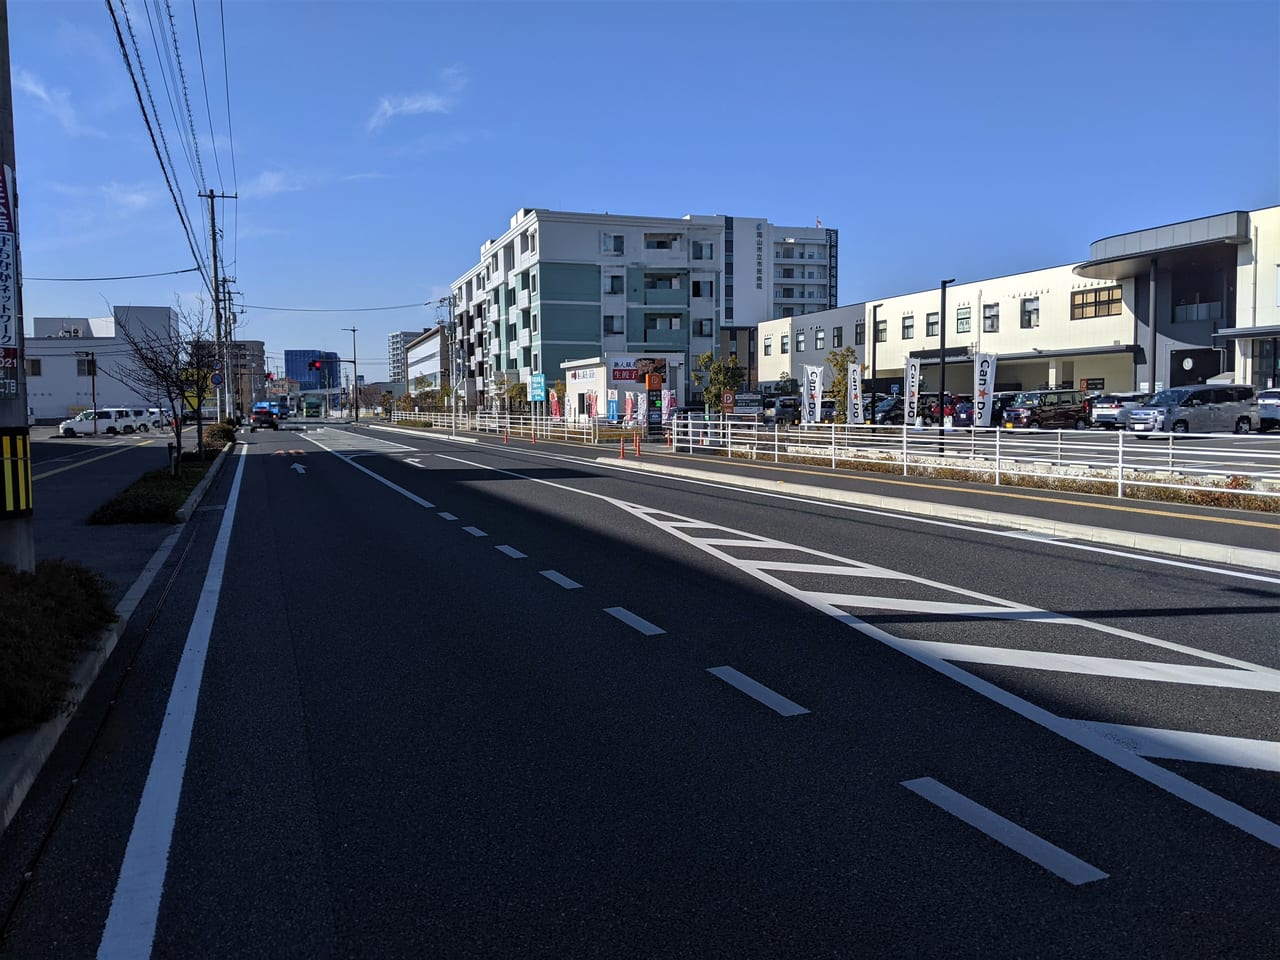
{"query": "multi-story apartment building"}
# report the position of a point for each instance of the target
(397, 344)
(246, 368)
(558, 287)
(1152, 308)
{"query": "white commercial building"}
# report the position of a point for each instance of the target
(557, 287)
(426, 360)
(1199, 298)
(70, 361)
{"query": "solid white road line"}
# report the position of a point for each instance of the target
(561, 579)
(1036, 849)
(1184, 745)
(135, 906)
(511, 552)
(446, 516)
(758, 691)
(631, 620)
(382, 480)
(1104, 666)
(475, 531)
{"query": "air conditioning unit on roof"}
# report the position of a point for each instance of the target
(75, 331)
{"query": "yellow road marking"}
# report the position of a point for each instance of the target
(103, 456)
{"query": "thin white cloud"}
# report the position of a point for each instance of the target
(125, 197)
(271, 182)
(56, 103)
(454, 80)
(367, 176)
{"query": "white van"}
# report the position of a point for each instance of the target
(109, 420)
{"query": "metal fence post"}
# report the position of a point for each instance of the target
(998, 432)
(1120, 463)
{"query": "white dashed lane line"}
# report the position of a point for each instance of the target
(475, 531)
(561, 579)
(758, 691)
(511, 552)
(636, 623)
(446, 516)
(1036, 849)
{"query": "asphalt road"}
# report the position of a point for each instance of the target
(478, 700)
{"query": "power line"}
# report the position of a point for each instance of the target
(204, 82)
(231, 140)
(135, 276)
(399, 306)
(186, 226)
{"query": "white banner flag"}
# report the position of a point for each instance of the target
(811, 400)
(912, 410)
(854, 376)
(984, 383)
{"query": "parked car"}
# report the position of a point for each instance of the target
(1199, 408)
(1112, 409)
(889, 411)
(1046, 410)
(963, 417)
(1268, 409)
(828, 412)
(110, 420)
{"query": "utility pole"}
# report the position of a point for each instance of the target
(219, 343)
(17, 532)
(91, 361)
(355, 378)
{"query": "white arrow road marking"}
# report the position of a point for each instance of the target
(298, 468)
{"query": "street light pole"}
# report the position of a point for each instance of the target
(875, 330)
(355, 377)
(942, 358)
(93, 384)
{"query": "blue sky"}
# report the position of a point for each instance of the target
(374, 146)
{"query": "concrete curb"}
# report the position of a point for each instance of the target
(1261, 560)
(420, 433)
(23, 755)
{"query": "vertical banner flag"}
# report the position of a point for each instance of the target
(642, 408)
(668, 404)
(631, 406)
(811, 402)
(912, 411)
(555, 404)
(984, 381)
(592, 401)
(854, 376)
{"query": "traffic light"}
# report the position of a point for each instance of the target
(270, 376)
(315, 364)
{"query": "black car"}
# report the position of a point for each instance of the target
(263, 419)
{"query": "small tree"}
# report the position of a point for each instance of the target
(173, 367)
(787, 384)
(839, 361)
(718, 376)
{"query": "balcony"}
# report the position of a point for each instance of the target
(666, 298)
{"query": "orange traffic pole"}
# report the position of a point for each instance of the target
(622, 449)
(637, 436)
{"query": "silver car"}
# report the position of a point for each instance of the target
(1112, 409)
(1199, 408)
(1269, 409)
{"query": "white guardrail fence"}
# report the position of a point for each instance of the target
(1118, 461)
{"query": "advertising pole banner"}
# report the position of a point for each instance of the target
(912, 410)
(984, 381)
(811, 401)
(854, 375)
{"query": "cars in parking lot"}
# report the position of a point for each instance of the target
(1046, 410)
(1199, 408)
(1269, 409)
(108, 420)
(1112, 409)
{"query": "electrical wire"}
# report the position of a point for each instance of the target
(204, 82)
(135, 276)
(399, 306)
(231, 140)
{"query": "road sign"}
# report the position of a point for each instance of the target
(538, 387)
(217, 366)
(727, 401)
(216, 379)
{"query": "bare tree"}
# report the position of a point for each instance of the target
(173, 367)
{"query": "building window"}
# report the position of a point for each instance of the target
(611, 243)
(930, 324)
(84, 367)
(535, 363)
(768, 346)
(702, 328)
(535, 323)
(837, 337)
(991, 318)
(882, 331)
(703, 288)
(962, 319)
(615, 283)
(661, 241)
(800, 341)
(1030, 316)
(909, 327)
(1104, 302)
(533, 282)
(533, 241)
(33, 366)
(786, 344)
(613, 324)
(819, 339)
(703, 250)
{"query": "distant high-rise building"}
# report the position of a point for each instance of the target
(397, 344)
(298, 365)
